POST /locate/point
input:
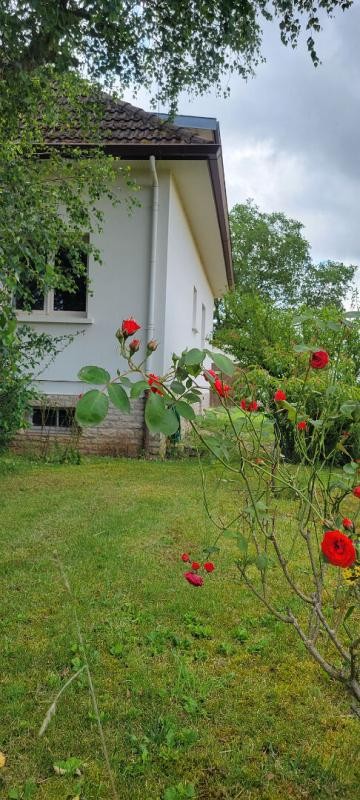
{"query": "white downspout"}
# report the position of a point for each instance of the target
(153, 253)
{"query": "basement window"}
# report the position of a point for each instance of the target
(51, 417)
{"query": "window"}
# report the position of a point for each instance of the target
(194, 311)
(203, 324)
(59, 301)
(49, 417)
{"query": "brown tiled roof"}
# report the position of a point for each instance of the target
(123, 123)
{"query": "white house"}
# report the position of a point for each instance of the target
(163, 264)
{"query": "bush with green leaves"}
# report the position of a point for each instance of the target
(320, 598)
(22, 354)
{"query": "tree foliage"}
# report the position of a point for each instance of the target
(181, 46)
(272, 257)
(258, 333)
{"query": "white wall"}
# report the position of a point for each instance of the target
(119, 288)
(185, 271)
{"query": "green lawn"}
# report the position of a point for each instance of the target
(194, 685)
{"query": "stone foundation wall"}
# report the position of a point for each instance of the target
(119, 435)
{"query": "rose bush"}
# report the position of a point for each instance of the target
(303, 552)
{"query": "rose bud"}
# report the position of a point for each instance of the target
(151, 346)
(210, 372)
(129, 327)
(347, 524)
(195, 565)
(302, 425)
(356, 491)
(185, 557)
(134, 345)
(119, 335)
(279, 396)
(209, 566)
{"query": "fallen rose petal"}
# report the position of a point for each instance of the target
(195, 580)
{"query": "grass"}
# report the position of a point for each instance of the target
(196, 687)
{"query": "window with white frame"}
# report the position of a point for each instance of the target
(59, 301)
(194, 311)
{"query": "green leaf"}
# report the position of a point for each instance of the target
(192, 397)
(92, 408)
(125, 380)
(177, 387)
(291, 410)
(119, 397)
(138, 388)
(338, 485)
(185, 410)
(194, 356)
(348, 613)
(349, 407)
(261, 561)
(223, 363)
(350, 468)
(158, 418)
(242, 543)
(96, 375)
(302, 348)
(333, 326)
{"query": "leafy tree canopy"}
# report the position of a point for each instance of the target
(180, 45)
(272, 258)
(258, 333)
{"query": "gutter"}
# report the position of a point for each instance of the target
(150, 329)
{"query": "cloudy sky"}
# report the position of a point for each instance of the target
(291, 136)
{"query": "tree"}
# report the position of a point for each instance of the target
(327, 284)
(270, 253)
(272, 257)
(257, 333)
(178, 45)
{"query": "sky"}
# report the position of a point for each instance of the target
(291, 135)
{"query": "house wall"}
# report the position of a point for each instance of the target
(119, 288)
(185, 273)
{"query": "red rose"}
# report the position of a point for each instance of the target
(338, 549)
(129, 327)
(221, 388)
(279, 395)
(356, 491)
(195, 580)
(347, 524)
(185, 557)
(302, 426)
(319, 359)
(154, 379)
(134, 345)
(209, 566)
(209, 372)
(195, 565)
(252, 406)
